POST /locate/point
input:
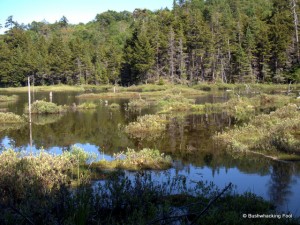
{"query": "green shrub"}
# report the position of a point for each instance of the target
(277, 131)
(43, 107)
(6, 98)
(114, 106)
(87, 105)
(10, 118)
(137, 160)
(147, 127)
(136, 104)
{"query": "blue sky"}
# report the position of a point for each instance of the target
(26, 11)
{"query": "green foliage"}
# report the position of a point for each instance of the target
(137, 104)
(23, 176)
(5, 98)
(114, 106)
(137, 160)
(147, 127)
(87, 105)
(43, 107)
(271, 134)
(78, 155)
(10, 118)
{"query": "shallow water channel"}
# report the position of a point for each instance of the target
(187, 140)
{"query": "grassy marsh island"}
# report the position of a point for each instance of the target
(8, 98)
(145, 159)
(147, 127)
(273, 134)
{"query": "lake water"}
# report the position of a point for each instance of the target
(188, 140)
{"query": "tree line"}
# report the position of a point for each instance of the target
(198, 40)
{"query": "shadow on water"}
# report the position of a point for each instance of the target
(188, 139)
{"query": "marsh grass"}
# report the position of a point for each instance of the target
(114, 106)
(43, 107)
(147, 127)
(87, 105)
(6, 98)
(36, 189)
(138, 104)
(274, 133)
(143, 92)
(137, 160)
(10, 118)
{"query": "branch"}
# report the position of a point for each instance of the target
(211, 202)
(191, 214)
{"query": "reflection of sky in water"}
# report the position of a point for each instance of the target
(7, 143)
(100, 129)
(244, 182)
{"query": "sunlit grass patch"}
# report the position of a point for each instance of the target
(10, 118)
(86, 105)
(114, 106)
(147, 127)
(43, 107)
(137, 160)
(8, 98)
(137, 104)
(267, 133)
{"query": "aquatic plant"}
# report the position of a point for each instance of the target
(271, 134)
(137, 104)
(137, 160)
(87, 105)
(6, 98)
(147, 127)
(114, 106)
(10, 118)
(43, 107)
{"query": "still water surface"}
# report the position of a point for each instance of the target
(187, 140)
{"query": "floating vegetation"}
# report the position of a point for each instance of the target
(10, 118)
(43, 107)
(86, 105)
(137, 104)
(114, 106)
(147, 127)
(274, 133)
(137, 160)
(6, 98)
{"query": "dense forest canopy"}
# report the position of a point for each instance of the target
(198, 40)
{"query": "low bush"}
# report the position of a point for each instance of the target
(114, 106)
(137, 104)
(268, 133)
(87, 105)
(147, 127)
(43, 107)
(6, 98)
(137, 160)
(10, 118)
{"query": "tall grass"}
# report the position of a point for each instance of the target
(147, 127)
(271, 134)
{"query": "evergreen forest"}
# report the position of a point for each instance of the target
(230, 41)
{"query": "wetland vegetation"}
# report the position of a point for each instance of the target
(207, 91)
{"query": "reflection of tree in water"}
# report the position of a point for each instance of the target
(281, 182)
